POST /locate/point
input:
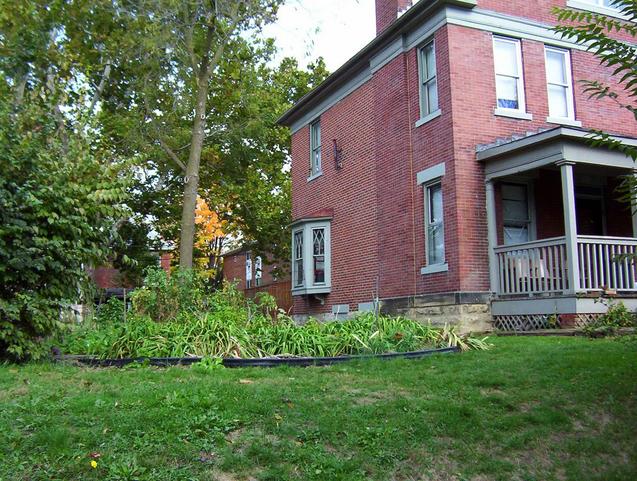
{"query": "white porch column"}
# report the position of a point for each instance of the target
(492, 235)
(570, 225)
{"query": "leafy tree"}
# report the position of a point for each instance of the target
(61, 188)
(58, 202)
(599, 33)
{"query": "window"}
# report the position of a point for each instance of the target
(248, 270)
(602, 3)
(297, 264)
(315, 148)
(318, 255)
(428, 81)
(311, 257)
(516, 213)
(434, 224)
(509, 81)
(258, 270)
(559, 82)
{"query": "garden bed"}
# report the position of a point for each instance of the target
(251, 362)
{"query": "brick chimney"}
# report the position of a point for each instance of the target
(387, 12)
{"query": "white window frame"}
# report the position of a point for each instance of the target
(570, 102)
(429, 178)
(520, 112)
(258, 271)
(307, 229)
(597, 6)
(248, 270)
(426, 112)
(295, 259)
(316, 168)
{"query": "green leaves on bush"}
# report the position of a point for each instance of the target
(58, 201)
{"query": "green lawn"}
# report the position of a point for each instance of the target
(529, 409)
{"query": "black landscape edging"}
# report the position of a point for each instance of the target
(252, 362)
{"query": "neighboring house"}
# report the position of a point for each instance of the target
(110, 281)
(444, 170)
(253, 275)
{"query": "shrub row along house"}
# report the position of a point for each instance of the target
(445, 170)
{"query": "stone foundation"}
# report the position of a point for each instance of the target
(468, 311)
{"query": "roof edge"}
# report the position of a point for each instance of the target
(355, 63)
(546, 136)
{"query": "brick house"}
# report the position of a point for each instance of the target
(253, 275)
(444, 170)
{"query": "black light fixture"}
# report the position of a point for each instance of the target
(338, 155)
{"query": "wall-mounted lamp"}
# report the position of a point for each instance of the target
(338, 155)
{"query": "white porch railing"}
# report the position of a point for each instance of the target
(532, 267)
(607, 262)
(541, 267)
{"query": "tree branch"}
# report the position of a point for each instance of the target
(172, 154)
(101, 85)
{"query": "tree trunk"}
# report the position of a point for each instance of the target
(191, 182)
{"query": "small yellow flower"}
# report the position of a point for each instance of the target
(93, 464)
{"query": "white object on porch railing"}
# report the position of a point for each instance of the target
(604, 262)
(532, 267)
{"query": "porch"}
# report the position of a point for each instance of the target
(558, 236)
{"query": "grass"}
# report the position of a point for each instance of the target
(529, 409)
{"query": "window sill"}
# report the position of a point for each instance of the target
(302, 291)
(428, 118)
(609, 12)
(514, 114)
(432, 269)
(315, 176)
(564, 121)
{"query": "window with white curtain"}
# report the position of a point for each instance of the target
(516, 213)
(509, 78)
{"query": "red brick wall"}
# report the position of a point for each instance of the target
(234, 270)
(387, 11)
(349, 192)
(378, 222)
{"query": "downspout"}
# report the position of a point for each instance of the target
(411, 175)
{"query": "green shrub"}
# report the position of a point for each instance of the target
(616, 317)
(225, 324)
(58, 199)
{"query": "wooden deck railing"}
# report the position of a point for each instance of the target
(541, 267)
(607, 262)
(532, 267)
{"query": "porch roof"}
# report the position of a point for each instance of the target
(562, 144)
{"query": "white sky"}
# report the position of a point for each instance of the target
(333, 29)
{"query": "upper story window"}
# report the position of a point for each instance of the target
(509, 79)
(315, 148)
(311, 261)
(601, 3)
(559, 83)
(428, 81)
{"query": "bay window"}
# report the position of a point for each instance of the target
(311, 257)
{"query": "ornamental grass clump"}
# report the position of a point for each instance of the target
(225, 324)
